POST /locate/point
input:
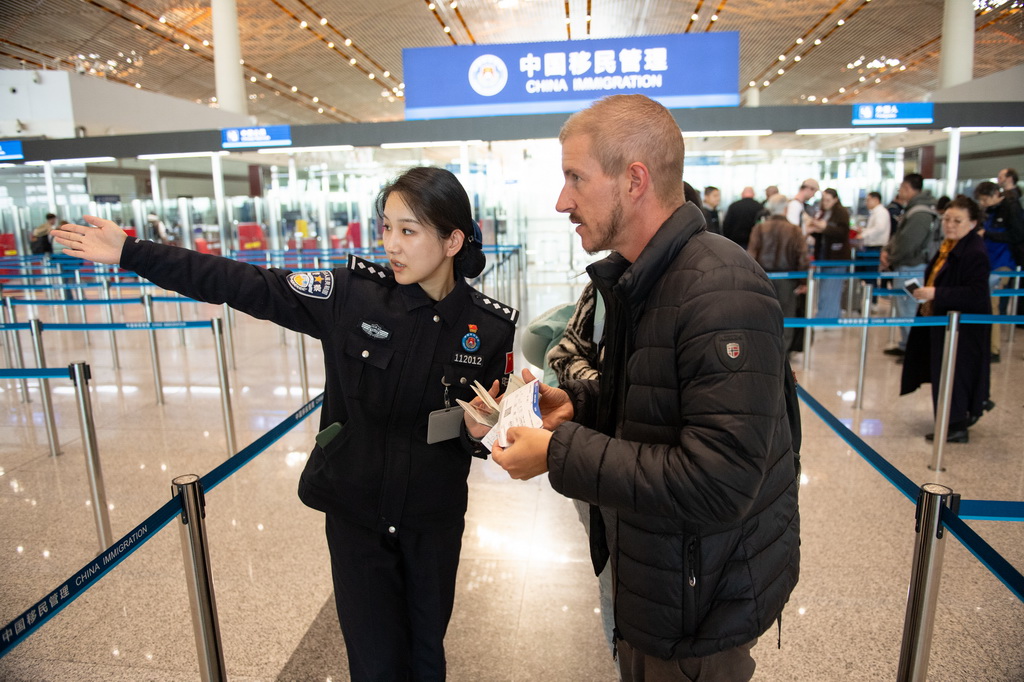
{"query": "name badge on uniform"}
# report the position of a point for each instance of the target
(444, 424)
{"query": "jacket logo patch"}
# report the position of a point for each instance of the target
(732, 349)
(318, 284)
(375, 331)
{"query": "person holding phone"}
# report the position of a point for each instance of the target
(955, 279)
(401, 344)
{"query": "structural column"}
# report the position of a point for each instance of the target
(956, 61)
(227, 58)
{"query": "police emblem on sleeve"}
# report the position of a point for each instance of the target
(732, 349)
(318, 284)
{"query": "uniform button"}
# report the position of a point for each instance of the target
(437, 318)
(392, 529)
(462, 381)
(366, 353)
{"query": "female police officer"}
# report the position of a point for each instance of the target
(399, 344)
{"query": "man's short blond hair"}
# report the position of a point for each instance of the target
(624, 129)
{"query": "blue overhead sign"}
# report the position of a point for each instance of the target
(893, 113)
(256, 136)
(10, 150)
(682, 70)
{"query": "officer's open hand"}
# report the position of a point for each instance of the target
(100, 241)
(555, 406)
(526, 455)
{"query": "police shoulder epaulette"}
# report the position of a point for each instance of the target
(497, 307)
(370, 270)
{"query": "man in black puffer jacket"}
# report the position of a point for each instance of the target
(683, 446)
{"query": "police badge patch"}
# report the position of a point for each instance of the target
(318, 284)
(732, 349)
(375, 331)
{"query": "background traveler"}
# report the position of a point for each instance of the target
(831, 231)
(741, 216)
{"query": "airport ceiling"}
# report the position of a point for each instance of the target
(312, 60)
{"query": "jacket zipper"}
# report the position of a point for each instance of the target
(690, 591)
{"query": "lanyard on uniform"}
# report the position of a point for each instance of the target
(447, 402)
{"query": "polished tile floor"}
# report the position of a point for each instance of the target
(526, 607)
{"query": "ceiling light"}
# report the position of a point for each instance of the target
(315, 100)
(782, 57)
(454, 4)
(847, 131)
(903, 67)
(348, 42)
(206, 43)
(179, 155)
(138, 85)
(352, 61)
(320, 110)
(824, 100)
(878, 80)
(796, 58)
(862, 79)
(714, 17)
(782, 71)
(449, 30)
(163, 20)
(417, 145)
(767, 83)
(372, 76)
(840, 22)
(694, 17)
(842, 90)
(270, 76)
(726, 133)
(811, 98)
(799, 41)
(73, 162)
(186, 46)
(387, 74)
(330, 45)
(752, 84)
(303, 24)
(294, 89)
(299, 150)
(252, 79)
(323, 21)
(817, 41)
(430, 6)
(242, 62)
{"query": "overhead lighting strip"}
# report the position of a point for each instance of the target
(715, 16)
(568, 26)
(432, 6)
(695, 16)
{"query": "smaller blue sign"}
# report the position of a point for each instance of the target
(892, 113)
(257, 136)
(10, 150)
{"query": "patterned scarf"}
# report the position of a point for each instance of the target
(940, 262)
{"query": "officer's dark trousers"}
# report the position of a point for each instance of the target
(394, 595)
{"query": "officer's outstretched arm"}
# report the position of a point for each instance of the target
(100, 241)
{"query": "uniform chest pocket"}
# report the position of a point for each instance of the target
(369, 365)
(460, 378)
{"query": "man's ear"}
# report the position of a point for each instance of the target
(453, 244)
(639, 178)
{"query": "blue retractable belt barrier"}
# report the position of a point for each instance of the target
(97, 326)
(991, 510)
(46, 608)
(40, 373)
(991, 559)
(827, 322)
(891, 473)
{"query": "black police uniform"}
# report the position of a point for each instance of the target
(395, 505)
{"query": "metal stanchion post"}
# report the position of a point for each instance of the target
(44, 387)
(181, 318)
(18, 358)
(79, 295)
(80, 375)
(850, 282)
(863, 347)
(194, 548)
(924, 581)
(110, 320)
(303, 372)
(229, 337)
(154, 355)
(945, 389)
(812, 287)
(1012, 310)
(225, 389)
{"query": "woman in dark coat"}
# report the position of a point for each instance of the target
(831, 231)
(956, 279)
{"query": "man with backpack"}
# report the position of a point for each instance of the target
(913, 243)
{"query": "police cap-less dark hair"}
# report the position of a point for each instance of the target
(915, 181)
(986, 188)
(438, 200)
(876, 195)
(967, 204)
